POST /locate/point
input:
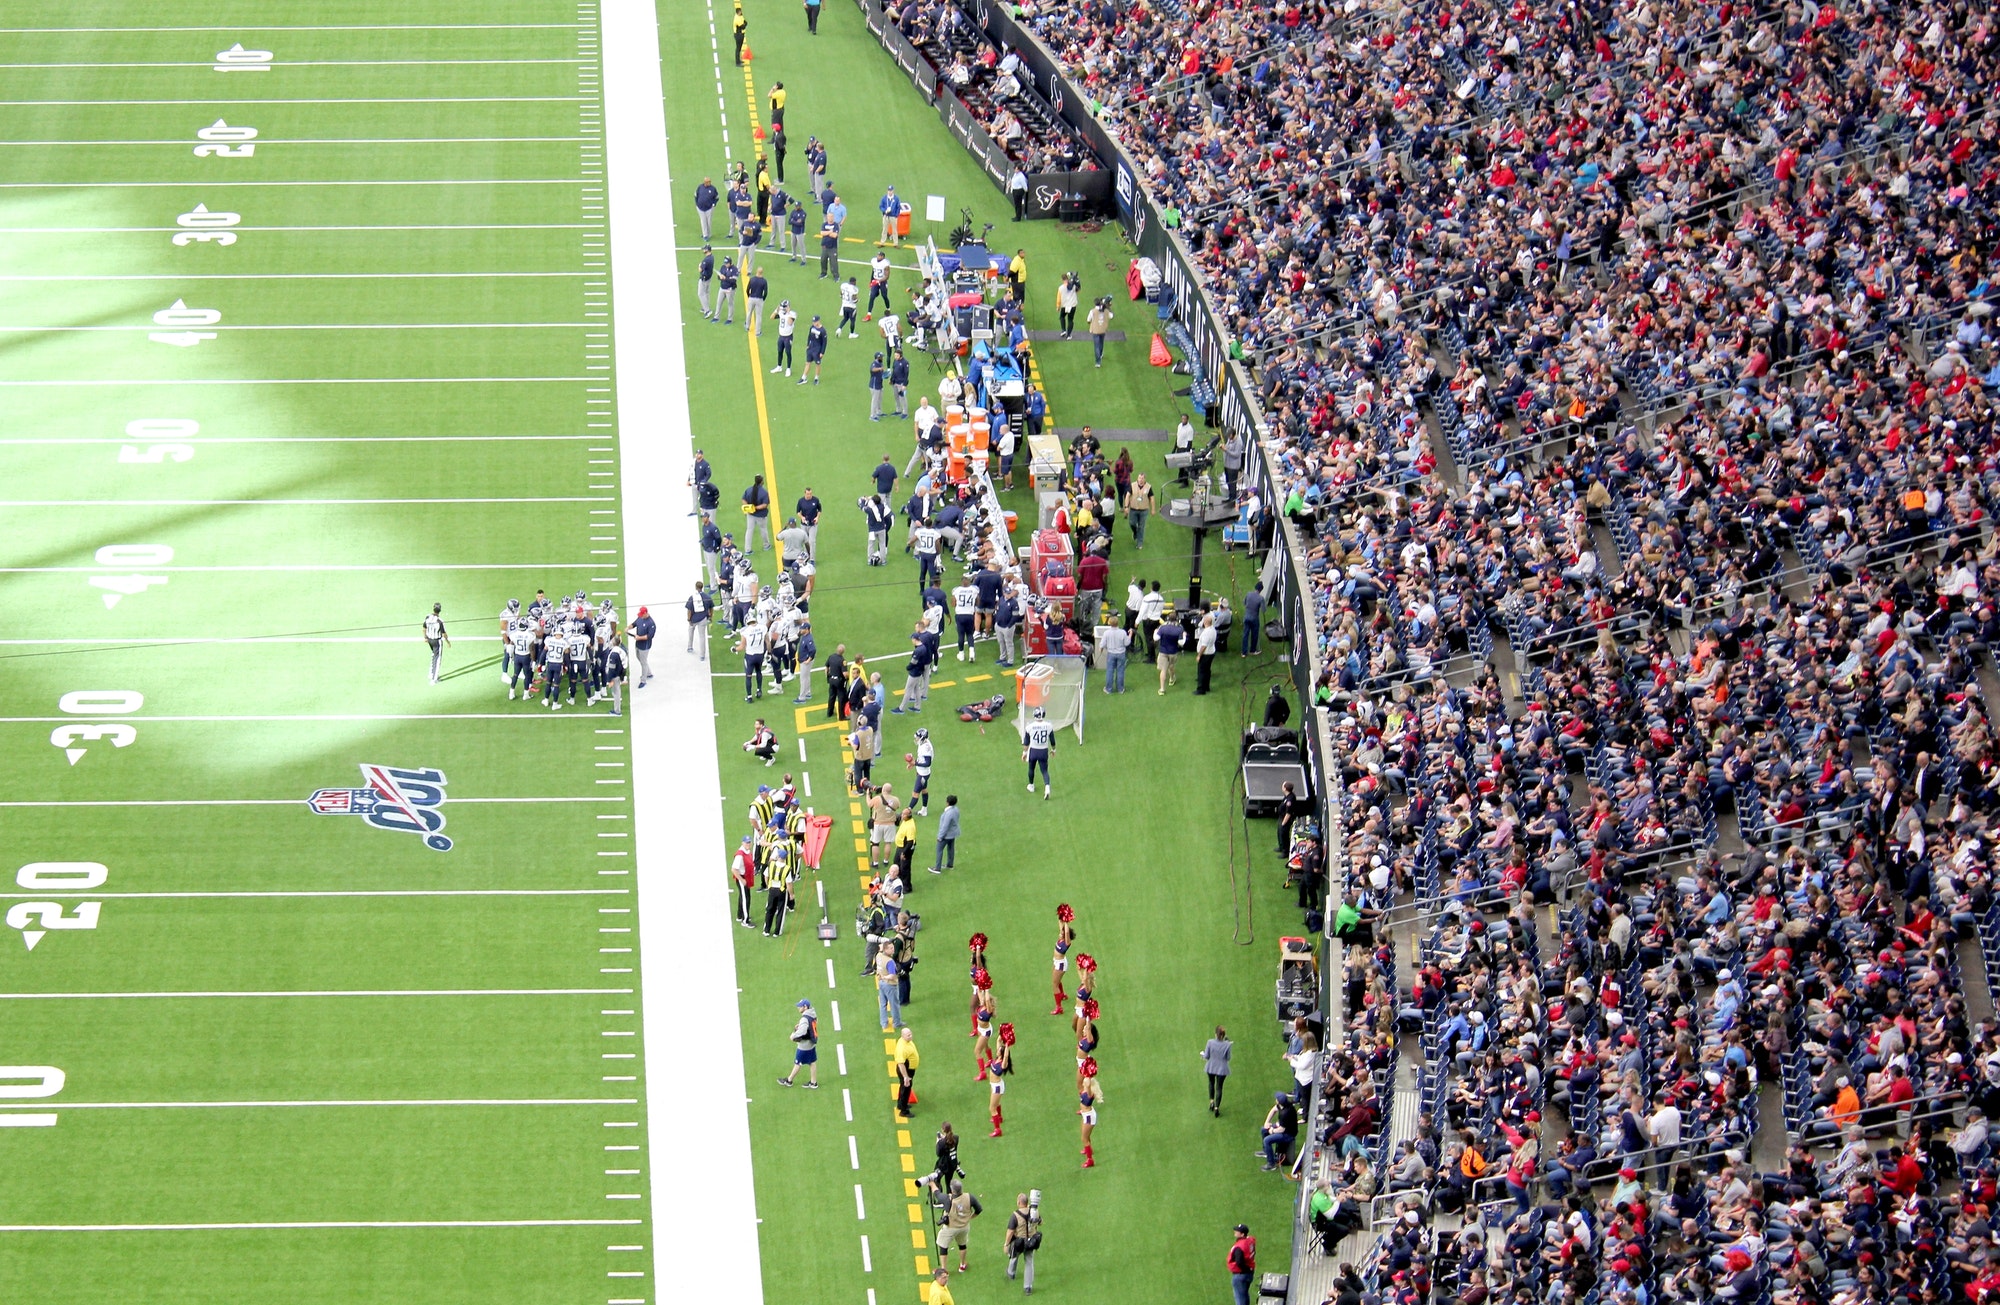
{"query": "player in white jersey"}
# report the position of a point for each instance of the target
(850, 299)
(924, 540)
(436, 637)
(576, 660)
(750, 641)
(508, 615)
(520, 658)
(924, 756)
(784, 627)
(1038, 741)
(933, 619)
(743, 595)
(965, 611)
(555, 650)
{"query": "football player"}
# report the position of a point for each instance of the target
(923, 757)
(1038, 740)
(520, 659)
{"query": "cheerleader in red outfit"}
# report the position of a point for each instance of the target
(1089, 1096)
(1086, 978)
(997, 1071)
(982, 1021)
(1086, 1038)
(1065, 935)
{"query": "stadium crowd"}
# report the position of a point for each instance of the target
(1765, 238)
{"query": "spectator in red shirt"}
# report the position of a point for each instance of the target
(1242, 1263)
(1093, 573)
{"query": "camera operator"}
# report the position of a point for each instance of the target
(1099, 324)
(1024, 1237)
(1067, 295)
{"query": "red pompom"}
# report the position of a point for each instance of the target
(1064, 913)
(1086, 962)
(981, 980)
(1006, 1035)
(977, 942)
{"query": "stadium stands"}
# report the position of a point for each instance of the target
(1697, 300)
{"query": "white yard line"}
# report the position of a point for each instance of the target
(141, 641)
(341, 99)
(320, 140)
(380, 992)
(260, 802)
(317, 27)
(310, 568)
(223, 185)
(426, 226)
(313, 63)
(317, 1223)
(313, 380)
(306, 439)
(338, 717)
(706, 1256)
(149, 327)
(13, 894)
(365, 1105)
(278, 502)
(301, 276)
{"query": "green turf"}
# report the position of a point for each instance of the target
(1138, 837)
(502, 277)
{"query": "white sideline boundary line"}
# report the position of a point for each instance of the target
(328, 1105)
(384, 992)
(706, 1256)
(317, 1223)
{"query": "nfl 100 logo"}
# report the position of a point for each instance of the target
(408, 801)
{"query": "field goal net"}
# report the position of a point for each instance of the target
(1057, 684)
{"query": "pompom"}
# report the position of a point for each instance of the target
(1089, 1009)
(1065, 913)
(1006, 1035)
(1086, 962)
(1090, 1067)
(977, 942)
(981, 980)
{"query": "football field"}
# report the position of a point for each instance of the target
(304, 327)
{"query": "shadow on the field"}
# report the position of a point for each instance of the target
(481, 666)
